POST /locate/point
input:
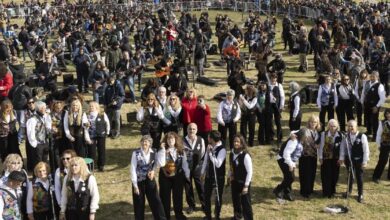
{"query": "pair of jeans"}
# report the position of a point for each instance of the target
(129, 81)
(114, 116)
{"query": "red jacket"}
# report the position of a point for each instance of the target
(188, 106)
(6, 84)
(203, 119)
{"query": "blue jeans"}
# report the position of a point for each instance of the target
(170, 47)
(20, 117)
(129, 81)
(99, 92)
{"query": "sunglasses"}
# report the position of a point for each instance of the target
(16, 163)
(30, 102)
(66, 158)
(173, 99)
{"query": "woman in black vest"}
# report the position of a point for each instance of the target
(240, 179)
(98, 129)
(8, 132)
(57, 122)
(358, 91)
(263, 114)
(345, 98)
(80, 192)
(383, 143)
(248, 119)
(151, 115)
(326, 99)
(295, 107)
(75, 121)
(308, 160)
(356, 152)
(144, 162)
(174, 171)
(172, 115)
(39, 194)
(328, 155)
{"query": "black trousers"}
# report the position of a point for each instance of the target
(383, 158)
(77, 214)
(232, 128)
(248, 124)
(344, 108)
(172, 187)
(82, 80)
(3, 147)
(99, 145)
(9, 145)
(357, 167)
(326, 109)
(265, 125)
(39, 153)
(30, 156)
(288, 179)
(241, 203)
(275, 114)
(296, 124)
(307, 174)
(48, 215)
(189, 189)
(78, 146)
(148, 188)
(359, 113)
(156, 136)
(329, 176)
(205, 136)
(372, 120)
(209, 186)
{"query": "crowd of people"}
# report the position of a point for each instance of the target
(65, 135)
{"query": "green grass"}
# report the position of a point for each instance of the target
(115, 186)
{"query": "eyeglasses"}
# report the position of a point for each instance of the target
(30, 102)
(66, 158)
(172, 99)
(346, 79)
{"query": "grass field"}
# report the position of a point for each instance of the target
(115, 186)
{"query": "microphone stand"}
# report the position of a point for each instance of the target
(216, 181)
(51, 189)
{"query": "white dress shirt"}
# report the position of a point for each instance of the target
(58, 184)
(248, 167)
(227, 105)
(327, 88)
(345, 149)
(381, 93)
(159, 112)
(84, 120)
(217, 161)
(30, 193)
(32, 123)
(173, 152)
(146, 158)
(290, 148)
(92, 121)
(297, 103)
(281, 93)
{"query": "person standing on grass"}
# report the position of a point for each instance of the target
(346, 95)
(248, 120)
(356, 152)
(213, 173)
(358, 87)
(8, 132)
(372, 101)
(277, 100)
(327, 99)
(194, 147)
(308, 160)
(265, 122)
(10, 207)
(295, 107)
(328, 154)
(383, 143)
(189, 103)
(289, 154)
(240, 178)
(144, 162)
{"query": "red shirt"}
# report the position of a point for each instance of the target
(203, 119)
(6, 83)
(188, 106)
(171, 34)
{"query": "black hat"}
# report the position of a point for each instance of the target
(20, 78)
(17, 176)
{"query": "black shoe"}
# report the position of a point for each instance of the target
(278, 195)
(190, 210)
(360, 199)
(101, 169)
(288, 197)
(375, 180)
(346, 195)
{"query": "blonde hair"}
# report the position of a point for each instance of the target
(6, 104)
(39, 166)
(97, 106)
(84, 172)
(188, 92)
(177, 104)
(314, 118)
(12, 158)
(79, 113)
(335, 122)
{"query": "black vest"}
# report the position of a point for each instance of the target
(357, 148)
(292, 104)
(151, 122)
(238, 167)
(100, 125)
(80, 199)
(193, 155)
(372, 97)
(350, 94)
(276, 93)
(221, 170)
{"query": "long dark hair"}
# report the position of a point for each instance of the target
(178, 141)
(243, 144)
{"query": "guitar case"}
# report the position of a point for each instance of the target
(206, 81)
(68, 79)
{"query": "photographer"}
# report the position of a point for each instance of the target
(113, 100)
(277, 66)
(46, 75)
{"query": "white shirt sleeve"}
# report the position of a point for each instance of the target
(319, 96)
(335, 96)
(84, 119)
(57, 185)
(202, 149)
(133, 170)
(356, 89)
(282, 96)
(217, 161)
(29, 198)
(250, 104)
(366, 149)
(219, 113)
(107, 124)
(379, 134)
(66, 125)
(140, 115)
(249, 169)
(31, 123)
(297, 102)
(343, 148)
(95, 197)
(290, 147)
(322, 143)
(382, 95)
(161, 160)
(238, 116)
(363, 93)
(1, 208)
